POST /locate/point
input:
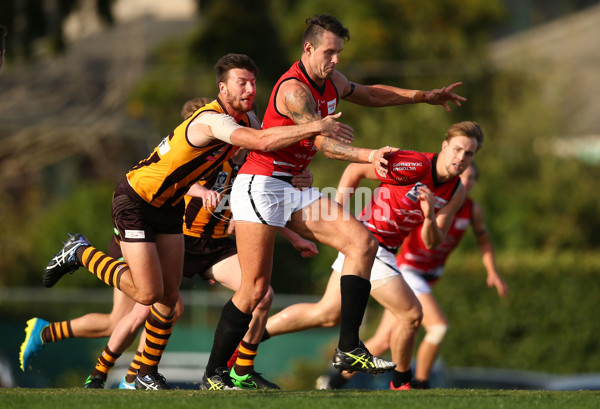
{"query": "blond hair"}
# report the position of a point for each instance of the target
(469, 129)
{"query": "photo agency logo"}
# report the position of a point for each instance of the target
(352, 202)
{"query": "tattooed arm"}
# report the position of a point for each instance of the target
(296, 101)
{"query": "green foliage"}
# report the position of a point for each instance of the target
(36, 235)
(545, 324)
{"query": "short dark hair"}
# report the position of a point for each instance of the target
(230, 61)
(320, 23)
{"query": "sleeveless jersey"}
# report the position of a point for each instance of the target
(201, 222)
(415, 254)
(293, 159)
(394, 211)
(166, 175)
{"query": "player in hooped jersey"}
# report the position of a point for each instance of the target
(148, 203)
(262, 198)
(393, 212)
(209, 253)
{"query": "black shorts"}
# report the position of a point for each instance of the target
(203, 253)
(139, 221)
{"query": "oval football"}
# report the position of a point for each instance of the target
(406, 168)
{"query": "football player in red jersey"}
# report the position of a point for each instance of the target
(262, 198)
(395, 211)
(421, 269)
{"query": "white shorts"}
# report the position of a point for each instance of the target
(417, 279)
(267, 200)
(384, 267)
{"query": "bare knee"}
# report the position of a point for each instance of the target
(148, 297)
(416, 316)
(362, 243)
(329, 315)
(411, 318)
(259, 291)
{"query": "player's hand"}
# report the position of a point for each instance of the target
(427, 201)
(501, 286)
(210, 198)
(443, 96)
(306, 247)
(303, 180)
(231, 228)
(379, 161)
(336, 130)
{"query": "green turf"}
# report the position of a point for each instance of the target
(20, 398)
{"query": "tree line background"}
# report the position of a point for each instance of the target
(541, 210)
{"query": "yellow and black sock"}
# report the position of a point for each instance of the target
(57, 331)
(106, 268)
(158, 332)
(244, 363)
(105, 363)
(134, 367)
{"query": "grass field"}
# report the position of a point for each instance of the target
(20, 398)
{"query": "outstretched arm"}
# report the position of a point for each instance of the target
(385, 95)
(487, 252)
(272, 139)
(351, 178)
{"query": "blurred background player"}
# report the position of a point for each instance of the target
(421, 269)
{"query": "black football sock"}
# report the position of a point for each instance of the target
(400, 378)
(265, 336)
(230, 331)
(355, 295)
(337, 380)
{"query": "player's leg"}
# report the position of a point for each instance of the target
(325, 313)
(39, 332)
(255, 242)
(435, 325)
(159, 324)
(140, 275)
(128, 381)
(327, 222)
(122, 337)
(377, 344)
(380, 341)
(228, 273)
(397, 297)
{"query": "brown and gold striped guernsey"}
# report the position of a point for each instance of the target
(201, 222)
(166, 175)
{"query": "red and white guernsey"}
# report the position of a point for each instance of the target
(414, 253)
(293, 159)
(394, 211)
